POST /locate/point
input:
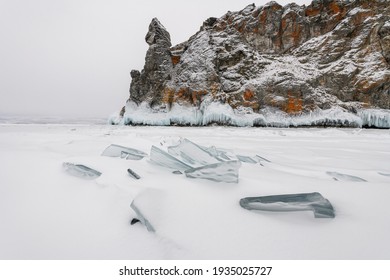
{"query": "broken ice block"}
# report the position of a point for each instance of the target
(345, 177)
(141, 218)
(246, 159)
(81, 171)
(226, 171)
(162, 158)
(133, 174)
(124, 152)
(191, 153)
(315, 202)
(148, 206)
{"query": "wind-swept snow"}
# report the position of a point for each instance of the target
(47, 214)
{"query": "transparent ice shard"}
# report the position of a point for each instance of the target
(246, 159)
(219, 154)
(133, 174)
(315, 202)
(226, 171)
(162, 158)
(259, 159)
(81, 171)
(384, 174)
(124, 152)
(192, 153)
(345, 177)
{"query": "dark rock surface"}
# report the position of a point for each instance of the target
(295, 59)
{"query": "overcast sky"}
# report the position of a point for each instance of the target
(73, 57)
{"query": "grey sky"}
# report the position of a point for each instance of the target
(73, 57)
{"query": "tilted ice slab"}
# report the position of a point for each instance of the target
(124, 152)
(162, 158)
(192, 153)
(81, 171)
(246, 159)
(147, 206)
(315, 202)
(384, 174)
(345, 177)
(226, 171)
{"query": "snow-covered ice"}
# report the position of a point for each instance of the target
(47, 214)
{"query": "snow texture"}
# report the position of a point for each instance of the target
(47, 214)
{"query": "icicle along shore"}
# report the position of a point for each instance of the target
(325, 64)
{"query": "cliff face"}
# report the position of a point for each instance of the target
(293, 60)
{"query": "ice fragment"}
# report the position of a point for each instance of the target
(192, 153)
(315, 202)
(345, 177)
(162, 158)
(81, 171)
(226, 171)
(246, 159)
(124, 152)
(133, 174)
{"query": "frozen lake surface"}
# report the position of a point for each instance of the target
(46, 213)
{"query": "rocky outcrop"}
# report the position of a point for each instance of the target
(291, 61)
(148, 85)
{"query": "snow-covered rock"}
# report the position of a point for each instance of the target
(304, 62)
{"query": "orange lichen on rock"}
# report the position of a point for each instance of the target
(334, 7)
(294, 104)
(248, 95)
(175, 59)
(197, 95)
(168, 95)
(296, 34)
(311, 11)
(263, 17)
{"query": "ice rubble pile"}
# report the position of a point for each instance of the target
(211, 163)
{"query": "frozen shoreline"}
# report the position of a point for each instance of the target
(222, 114)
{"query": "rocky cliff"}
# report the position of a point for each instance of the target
(323, 64)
